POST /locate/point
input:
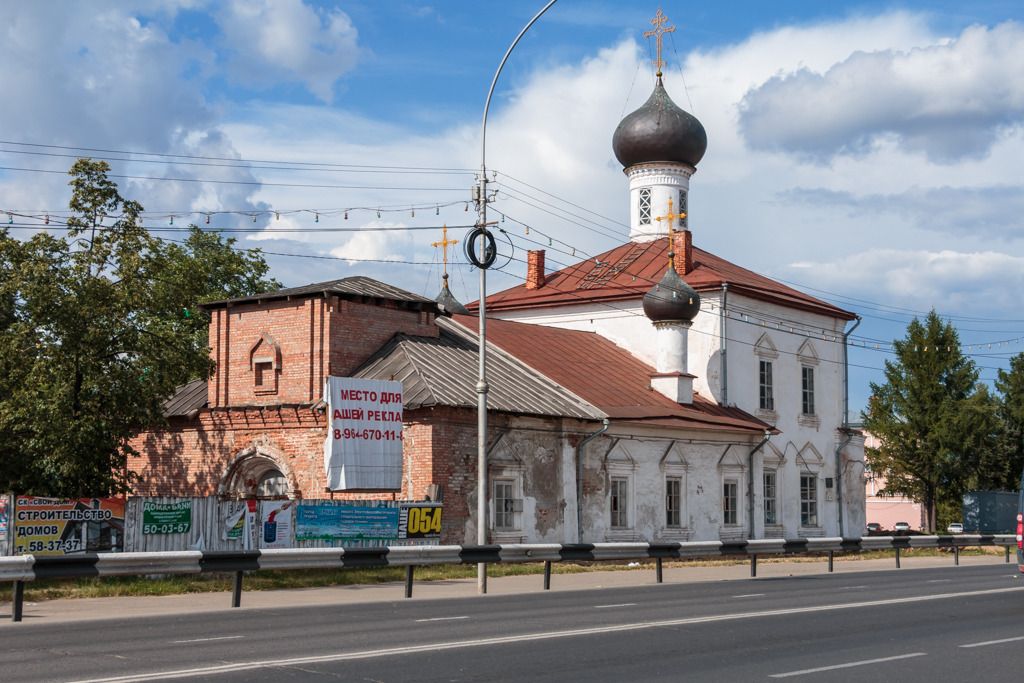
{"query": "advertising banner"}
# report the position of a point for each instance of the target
(239, 522)
(4, 519)
(327, 522)
(166, 518)
(59, 526)
(420, 520)
(363, 449)
(358, 523)
(276, 523)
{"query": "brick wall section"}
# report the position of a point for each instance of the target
(316, 337)
(357, 330)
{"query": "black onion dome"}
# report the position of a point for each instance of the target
(671, 300)
(659, 131)
(447, 302)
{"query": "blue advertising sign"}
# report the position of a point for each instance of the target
(345, 523)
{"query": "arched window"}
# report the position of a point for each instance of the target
(272, 484)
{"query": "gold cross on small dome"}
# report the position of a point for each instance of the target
(444, 243)
(671, 218)
(658, 31)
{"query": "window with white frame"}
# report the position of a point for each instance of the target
(730, 502)
(808, 500)
(620, 502)
(645, 206)
(807, 401)
(771, 497)
(683, 210)
(673, 502)
(503, 494)
(766, 391)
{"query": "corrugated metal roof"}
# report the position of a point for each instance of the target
(188, 397)
(356, 286)
(629, 270)
(443, 372)
(606, 376)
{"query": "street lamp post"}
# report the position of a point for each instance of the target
(480, 197)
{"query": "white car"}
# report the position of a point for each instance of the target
(955, 528)
(901, 526)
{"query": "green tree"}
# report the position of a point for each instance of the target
(936, 426)
(1010, 385)
(97, 329)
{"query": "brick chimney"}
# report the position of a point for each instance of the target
(535, 269)
(683, 248)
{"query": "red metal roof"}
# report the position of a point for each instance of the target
(607, 376)
(629, 270)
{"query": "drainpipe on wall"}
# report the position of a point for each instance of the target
(721, 337)
(846, 426)
(579, 476)
(750, 481)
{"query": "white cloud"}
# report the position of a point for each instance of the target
(96, 76)
(286, 40)
(949, 100)
(947, 280)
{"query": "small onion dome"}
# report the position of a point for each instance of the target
(671, 300)
(659, 131)
(448, 304)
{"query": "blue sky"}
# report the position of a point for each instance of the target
(867, 152)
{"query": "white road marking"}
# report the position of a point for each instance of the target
(204, 640)
(939, 581)
(850, 588)
(847, 665)
(527, 637)
(441, 619)
(994, 642)
(749, 595)
(621, 604)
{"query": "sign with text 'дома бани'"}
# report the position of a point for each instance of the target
(363, 448)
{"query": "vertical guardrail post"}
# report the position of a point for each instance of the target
(956, 554)
(18, 602)
(547, 575)
(657, 570)
(753, 566)
(897, 557)
(236, 592)
(409, 570)
(1007, 554)
(831, 559)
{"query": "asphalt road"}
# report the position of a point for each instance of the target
(921, 625)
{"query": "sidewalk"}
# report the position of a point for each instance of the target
(126, 607)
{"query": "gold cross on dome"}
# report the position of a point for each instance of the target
(444, 243)
(658, 31)
(671, 218)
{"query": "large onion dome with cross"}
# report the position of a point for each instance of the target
(659, 146)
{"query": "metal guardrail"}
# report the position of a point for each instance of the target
(24, 568)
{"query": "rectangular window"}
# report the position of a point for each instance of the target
(767, 394)
(673, 502)
(645, 206)
(808, 391)
(808, 500)
(770, 497)
(504, 505)
(682, 210)
(620, 503)
(730, 500)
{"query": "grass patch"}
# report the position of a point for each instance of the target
(120, 586)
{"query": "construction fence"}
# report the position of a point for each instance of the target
(59, 526)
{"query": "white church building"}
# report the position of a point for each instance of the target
(725, 392)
